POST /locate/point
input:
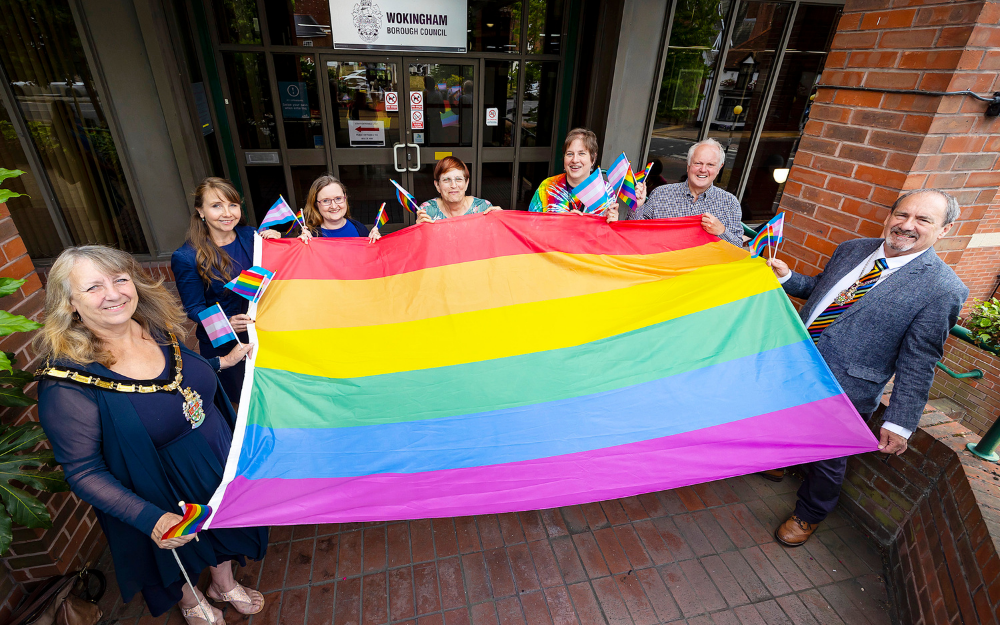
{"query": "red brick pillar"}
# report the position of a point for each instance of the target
(75, 537)
(861, 149)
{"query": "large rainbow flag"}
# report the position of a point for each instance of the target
(517, 361)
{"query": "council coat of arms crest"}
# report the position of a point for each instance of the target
(367, 20)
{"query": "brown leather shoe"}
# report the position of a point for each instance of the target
(774, 475)
(794, 532)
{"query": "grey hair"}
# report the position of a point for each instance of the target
(712, 142)
(951, 204)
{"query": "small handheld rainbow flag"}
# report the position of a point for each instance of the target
(626, 192)
(382, 218)
(771, 234)
(616, 173)
(404, 198)
(217, 325)
(641, 177)
(194, 518)
(279, 213)
(250, 284)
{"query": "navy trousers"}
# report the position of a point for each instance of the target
(820, 490)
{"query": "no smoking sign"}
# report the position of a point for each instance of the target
(492, 116)
(417, 120)
(391, 102)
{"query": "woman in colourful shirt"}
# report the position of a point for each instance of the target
(451, 179)
(555, 194)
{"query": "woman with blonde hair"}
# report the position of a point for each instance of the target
(327, 213)
(217, 249)
(139, 422)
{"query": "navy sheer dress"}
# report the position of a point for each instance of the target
(196, 296)
(132, 457)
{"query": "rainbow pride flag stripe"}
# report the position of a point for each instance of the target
(193, 521)
(251, 283)
(524, 361)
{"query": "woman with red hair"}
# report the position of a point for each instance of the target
(451, 179)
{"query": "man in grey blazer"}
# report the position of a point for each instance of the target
(880, 307)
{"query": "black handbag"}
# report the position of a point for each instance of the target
(64, 600)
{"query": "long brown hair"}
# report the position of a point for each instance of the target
(212, 262)
(311, 214)
(66, 337)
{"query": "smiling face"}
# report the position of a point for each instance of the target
(916, 224)
(331, 202)
(104, 303)
(452, 185)
(578, 162)
(221, 215)
(705, 165)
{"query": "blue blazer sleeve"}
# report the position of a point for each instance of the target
(190, 286)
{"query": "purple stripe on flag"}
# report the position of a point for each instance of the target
(795, 435)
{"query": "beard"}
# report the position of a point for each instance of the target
(896, 230)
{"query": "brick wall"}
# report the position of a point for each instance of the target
(860, 150)
(75, 538)
(936, 510)
(979, 398)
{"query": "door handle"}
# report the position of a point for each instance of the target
(395, 157)
(414, 145)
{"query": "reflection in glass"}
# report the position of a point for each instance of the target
(291, 23)
(299, 103)
(448, 92)
(367, 187)
(688, 76)
(500, 92)
(29, 213)
(302, 178)
(265, 184)
(494, 25)
(529, 176)
(743, 81)
(788, 111)
(357, 94)
(545, 18)
(496, 183)
(250, 94)
(237, 21)
(423, 183)
(54, 92)
(539, 109)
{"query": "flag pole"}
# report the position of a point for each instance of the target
(194, 592)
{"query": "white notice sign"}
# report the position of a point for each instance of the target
(416, 101)
(366, 133)
(492, 116)
(391, 102)
(416, 120)
(399, 25)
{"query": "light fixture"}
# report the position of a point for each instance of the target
(780, 174)
(737, 109)
(489, 26)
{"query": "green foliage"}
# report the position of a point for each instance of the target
(6, 194)
(984, 322)
(696, 27)
(20, 463)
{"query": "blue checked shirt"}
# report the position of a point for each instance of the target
(676, 200)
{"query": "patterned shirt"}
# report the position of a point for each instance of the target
(676, 200)
(434, 211)
(555, 196)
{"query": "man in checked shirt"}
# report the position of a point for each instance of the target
(720, 210)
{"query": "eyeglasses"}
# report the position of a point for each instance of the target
(330, 200)
(451, 181)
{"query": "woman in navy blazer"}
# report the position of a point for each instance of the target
(217, 249)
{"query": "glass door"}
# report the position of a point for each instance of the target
(441, 119)
(364, 113)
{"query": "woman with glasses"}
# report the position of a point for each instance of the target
(451, 179)
(327, 213)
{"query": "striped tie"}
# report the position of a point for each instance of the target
(844, 301)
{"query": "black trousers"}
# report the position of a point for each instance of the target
(820, 490)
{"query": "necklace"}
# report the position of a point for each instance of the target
(193, 408)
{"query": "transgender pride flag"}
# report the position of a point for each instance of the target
(525, 361)
(592, 193)
(217, 325)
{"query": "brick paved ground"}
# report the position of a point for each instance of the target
(703, 553)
